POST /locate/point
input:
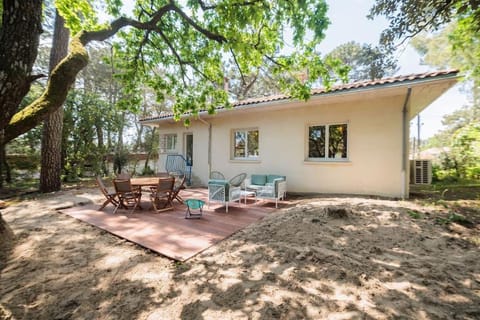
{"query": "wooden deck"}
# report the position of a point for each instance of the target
(169, 233)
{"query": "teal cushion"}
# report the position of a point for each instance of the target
(222, 183)
(259, 179)
(272, 177)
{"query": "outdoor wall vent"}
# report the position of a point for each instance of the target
(420, 171)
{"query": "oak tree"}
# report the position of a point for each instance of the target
(189, 39)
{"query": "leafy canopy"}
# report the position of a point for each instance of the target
(409, 18)
(366, 62)
(181, 48)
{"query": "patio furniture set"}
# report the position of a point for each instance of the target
(165, 188)
(259, 186)
(162, 190)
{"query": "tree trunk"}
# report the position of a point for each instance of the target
(51, 167)
(150, 149)
(6, 239)
(19, 38)
(63, 76)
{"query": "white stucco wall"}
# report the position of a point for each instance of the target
(376, 141)
(374, 165)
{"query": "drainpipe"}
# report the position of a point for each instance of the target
(405, 123)
(209, 144)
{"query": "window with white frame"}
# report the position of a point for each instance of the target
(245, 144)
(328, 142)
(168, 143)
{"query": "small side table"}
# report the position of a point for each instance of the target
(248, 193)
(194, 204)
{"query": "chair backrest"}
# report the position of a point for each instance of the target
(124, 176)
(238, 180)
(179, 183)
(175, 163)
(217, 175)
(165, 185)
(122, 185)
(101, 185)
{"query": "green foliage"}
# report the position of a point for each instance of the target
(415, 214)
(409, 18)
(147, 171)
(466, 148)
(78, 14)
(462, 160)
(365, 61)
(27, 162)
(85, 113)
(120, 160)
(455, 218)
(184, 54)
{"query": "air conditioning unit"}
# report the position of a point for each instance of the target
(420, 171)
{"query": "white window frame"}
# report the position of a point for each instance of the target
(327, 141)
(168, 143)
(247, 157)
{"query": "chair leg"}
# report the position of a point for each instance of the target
(134, 207)
(116, 208)
(154, 204)
(105, 204)
(179, 199)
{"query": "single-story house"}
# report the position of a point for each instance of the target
(351, 139)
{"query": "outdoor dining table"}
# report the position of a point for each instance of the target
(146, 181)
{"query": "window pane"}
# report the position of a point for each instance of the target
(316, 142)
(239, 147)
(171, 141)
(253, 143)
(337, 141)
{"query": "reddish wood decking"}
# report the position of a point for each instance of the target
(169, 233)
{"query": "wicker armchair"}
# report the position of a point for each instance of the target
(223, 192)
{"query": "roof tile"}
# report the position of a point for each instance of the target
(335, 88)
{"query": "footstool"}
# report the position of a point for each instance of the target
(194, 204)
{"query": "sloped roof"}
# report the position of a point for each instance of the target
(336, 88)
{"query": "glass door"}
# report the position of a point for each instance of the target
(189, 148)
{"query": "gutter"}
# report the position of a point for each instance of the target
(405, 126)
(209, 143)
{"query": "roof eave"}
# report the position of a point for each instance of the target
(315, 96)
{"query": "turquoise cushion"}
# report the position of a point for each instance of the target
(222, 183)
(272, 177)
(259, 179)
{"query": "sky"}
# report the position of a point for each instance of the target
(349, 23)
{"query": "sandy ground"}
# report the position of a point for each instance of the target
(321, 258)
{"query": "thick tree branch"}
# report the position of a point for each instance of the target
(207, 33)
(238, 67)
(63, 76)
(175, 53)
(272, 59)
(61, 79)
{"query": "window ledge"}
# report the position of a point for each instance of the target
(245, 161)
(327, 162)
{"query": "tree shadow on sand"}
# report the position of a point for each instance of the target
(73, 279)
(364, 261)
